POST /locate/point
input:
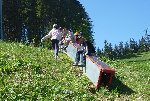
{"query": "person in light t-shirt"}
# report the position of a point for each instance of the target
(55, 36)
(85, 47)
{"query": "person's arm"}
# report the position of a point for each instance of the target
(46, 37)
(86, 48)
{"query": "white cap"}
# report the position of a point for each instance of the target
(55, 25)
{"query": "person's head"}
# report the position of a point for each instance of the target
(76, 34)
(55, 26)
(60, 28)
(70, 30)
(81, 33)
(64, 29)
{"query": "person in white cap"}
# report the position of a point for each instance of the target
(55, 36)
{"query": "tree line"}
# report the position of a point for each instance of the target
(127, 49)
(32, 19)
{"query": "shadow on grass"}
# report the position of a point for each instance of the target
(120, 87)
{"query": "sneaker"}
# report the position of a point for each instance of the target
(81, 64)
(56, 57)
(75, 64)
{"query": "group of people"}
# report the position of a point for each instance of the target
(62, 37)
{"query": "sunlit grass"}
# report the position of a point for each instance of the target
(31, 73)
(134, 74)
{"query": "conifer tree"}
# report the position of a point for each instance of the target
(133, 46)
(116, 52)
(126, 49)
(40, 15)
(147, 39)
(121, 49)
(142, 45)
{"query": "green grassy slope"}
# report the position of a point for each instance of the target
(133, 77)
(30, 73)
(33, 73)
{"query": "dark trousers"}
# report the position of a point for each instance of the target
(55, 45)
(78, 54)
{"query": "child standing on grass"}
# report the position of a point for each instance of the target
(55, 36)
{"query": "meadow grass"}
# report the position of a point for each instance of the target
(32, 73)
(133, 77)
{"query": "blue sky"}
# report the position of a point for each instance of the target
(118, 20)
